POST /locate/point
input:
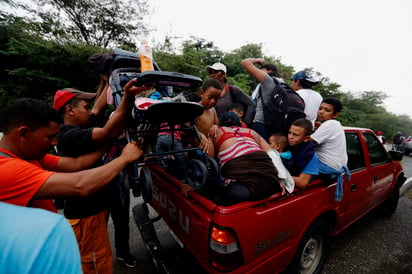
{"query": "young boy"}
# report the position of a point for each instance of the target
(279, 142)
(208, 121)
(304, 163)
(330, 142)
(238, 109)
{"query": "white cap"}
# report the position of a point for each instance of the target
(216, 66)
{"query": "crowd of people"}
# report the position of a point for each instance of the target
(255, 161)
(309, 148)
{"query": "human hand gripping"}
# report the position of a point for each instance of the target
(104, 78)
(204, 143)
(131, 152)
(131, 89)
(185, 188)
(259, 61)
(214, 129)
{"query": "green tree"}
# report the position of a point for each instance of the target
(102, 23)
(34, 67)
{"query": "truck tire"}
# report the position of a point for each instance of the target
(313, 249)
(389, 206)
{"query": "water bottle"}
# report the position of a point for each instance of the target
(146, 56)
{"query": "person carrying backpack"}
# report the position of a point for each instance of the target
(397, 141)
(277, 104)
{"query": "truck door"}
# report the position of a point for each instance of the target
(359, 187)
(381, 168)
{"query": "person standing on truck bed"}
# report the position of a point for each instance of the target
(208, 121)
(330, 142)
(231, 94)
(302, 83)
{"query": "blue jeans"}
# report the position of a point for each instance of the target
(164, 144)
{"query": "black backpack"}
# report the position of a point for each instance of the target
(284, 107)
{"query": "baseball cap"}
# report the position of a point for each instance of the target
(303, 75)
(216, 66)
(65, 95)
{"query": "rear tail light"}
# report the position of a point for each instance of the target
(224, 249)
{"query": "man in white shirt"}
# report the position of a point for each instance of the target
(302, 83)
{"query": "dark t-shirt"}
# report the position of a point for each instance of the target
(236, 95)
(74, 141)
(301, 156)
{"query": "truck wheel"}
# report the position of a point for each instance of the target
(313, 249)
(389, 206)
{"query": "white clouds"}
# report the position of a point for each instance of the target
(362, 45)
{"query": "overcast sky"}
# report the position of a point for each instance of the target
(362, 45)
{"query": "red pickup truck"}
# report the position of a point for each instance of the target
(277, 234)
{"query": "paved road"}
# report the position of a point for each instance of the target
(374, 244)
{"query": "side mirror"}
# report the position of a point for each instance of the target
(395, 155)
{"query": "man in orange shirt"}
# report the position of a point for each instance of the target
(29, 176)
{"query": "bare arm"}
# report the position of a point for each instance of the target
(261, 142)
(83, 183)
(249, 66)
(115, 124)
(302, 181)
(101, 97)
(69, 164)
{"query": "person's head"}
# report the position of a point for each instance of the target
(101, 62)
(238, 109)
(271, 69)
(302, 79)
(73, 106)
(300, 131)
(210, 93)
(330, 108)
(278, 141)
(217, 71)
(379, 132)
(229, 119)
(30, 126)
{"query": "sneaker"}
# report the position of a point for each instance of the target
(128, 260)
